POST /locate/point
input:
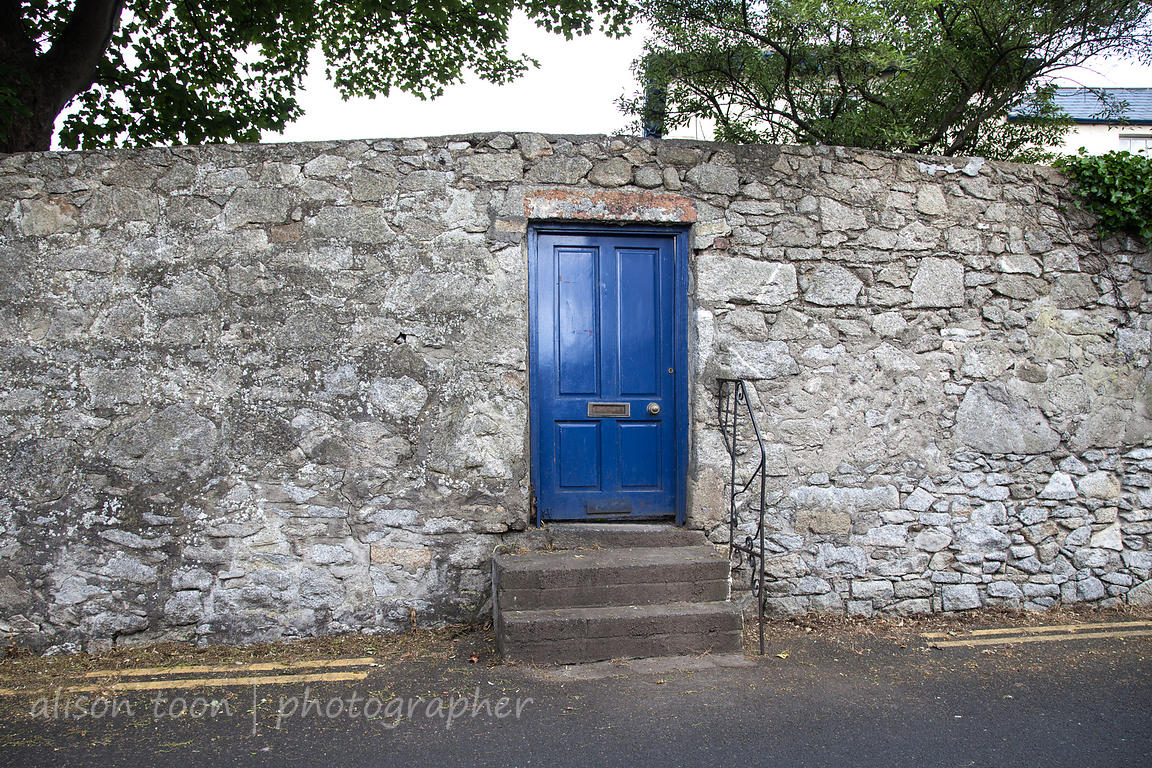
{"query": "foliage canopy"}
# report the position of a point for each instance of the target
(152, 71)
(926, 76)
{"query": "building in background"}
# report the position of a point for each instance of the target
(1099, 126)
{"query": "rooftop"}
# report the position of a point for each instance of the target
(1085, 105)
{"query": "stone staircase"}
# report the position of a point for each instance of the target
(592, 592)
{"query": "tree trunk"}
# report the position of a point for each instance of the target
(31, 131)
(43, 84)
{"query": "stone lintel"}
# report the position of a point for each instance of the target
(608, 206)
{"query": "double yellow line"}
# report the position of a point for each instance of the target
(235, 674)
(1050, 634)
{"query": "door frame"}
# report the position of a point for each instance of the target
(682, 430)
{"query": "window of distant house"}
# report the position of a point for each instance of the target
(1136, 142)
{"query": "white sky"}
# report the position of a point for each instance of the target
(573, 91)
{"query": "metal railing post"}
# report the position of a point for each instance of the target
(734, 391)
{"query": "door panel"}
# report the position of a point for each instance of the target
(578, 318)
(578, 455)
(604, 382)
(640, 445)
(638, 329)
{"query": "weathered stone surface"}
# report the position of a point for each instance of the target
(724, 278)
(938, 283)
(910, 607)
(872, 590)
(758, 360)
(930, 200)
(254, 392)
(919, 501)
(612, 206)
(184, 608)
(407, 558)
(1099, 485)
(992, 420)
(718, 179)
(326, 166)
(913, 589)
(830, 285)
(1141, 595)
(893, 360)
(835, 216)
(648, 176)
(533, 145)
(495, 167)
(846, 499)
(327, 554)
(320, 591)
(841, 560)
(358, 225)
(611, 173)
(1059, 487)
(822, 520)
(978, 537)
(886, 536)
(1005, 590)
(188, 294)
(257, 206)
(559, 170)
(1108, 538)
(172, 443)
(960, 597)
(933, 540)
(402, 397)
(1090, 588)
(1020, 262)
(993, 513)
(1106, 426)
(36, 218)
(126, 568)
(1074, 290)
(983, 363)
(371, 186)
(889, 324)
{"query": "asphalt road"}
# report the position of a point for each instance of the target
(828, 699)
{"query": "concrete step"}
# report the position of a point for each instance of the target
(608, 535)
(578, 635)
(608, 577)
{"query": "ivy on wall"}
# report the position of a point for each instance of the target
(1115, 187)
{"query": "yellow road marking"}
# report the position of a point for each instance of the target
(199, 682)
(1040, 638)
(1050, 628)
(269, 666)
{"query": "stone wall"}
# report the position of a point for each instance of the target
(253, 392)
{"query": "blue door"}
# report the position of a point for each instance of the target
(607, 374)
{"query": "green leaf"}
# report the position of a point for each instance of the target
(1116, 188)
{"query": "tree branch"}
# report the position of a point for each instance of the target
(16, 45)
(72, 60)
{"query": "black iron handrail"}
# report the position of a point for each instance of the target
(733, 395)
